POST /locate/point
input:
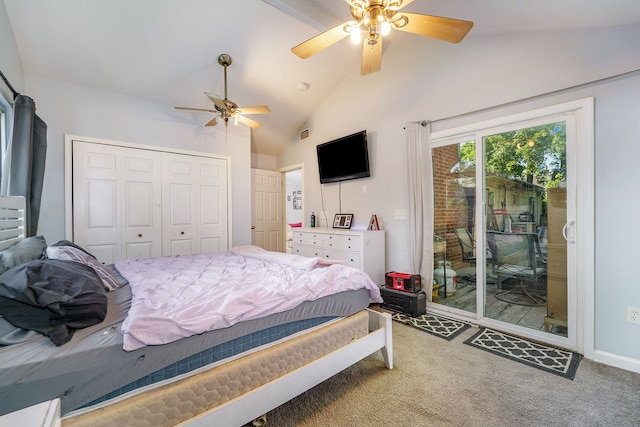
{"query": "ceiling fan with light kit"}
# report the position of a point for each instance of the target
(374, 19)
(226, 110)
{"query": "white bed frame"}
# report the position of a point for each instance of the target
(11, 220)
(250, 405)
(253, 404)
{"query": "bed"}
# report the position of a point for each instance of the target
(225, 376)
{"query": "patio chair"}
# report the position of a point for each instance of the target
(468, 249)
(467, 246)
(517, 260)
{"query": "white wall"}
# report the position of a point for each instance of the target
(9, 59)
(263, 161)
(430, 80)
(77, 110)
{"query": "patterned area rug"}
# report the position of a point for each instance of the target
(550, 359)
(435, 325)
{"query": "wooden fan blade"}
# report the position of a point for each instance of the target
(261, 109)
(371, 57)
(320, 42)
(249, 122)
(212, 122)
(219, 102)
(447, 29)
(194, 109)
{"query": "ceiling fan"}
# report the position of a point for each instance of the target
(373, 19)
(228, 111)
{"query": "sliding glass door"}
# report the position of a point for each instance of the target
(505, 236)
(525, 183)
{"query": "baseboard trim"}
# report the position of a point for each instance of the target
(622, 362)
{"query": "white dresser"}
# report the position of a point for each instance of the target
(362, 249)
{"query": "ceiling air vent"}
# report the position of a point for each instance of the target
(304, 134)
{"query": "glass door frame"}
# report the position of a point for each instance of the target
(580, 164)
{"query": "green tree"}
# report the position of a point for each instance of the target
(536, 154)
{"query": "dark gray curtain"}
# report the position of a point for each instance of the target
(23, 169)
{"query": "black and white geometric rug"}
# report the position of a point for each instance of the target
(550, 359)
(435, 325)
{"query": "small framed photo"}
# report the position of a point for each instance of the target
(342, 221)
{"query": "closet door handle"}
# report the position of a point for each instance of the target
(571, 224)
(139, 234)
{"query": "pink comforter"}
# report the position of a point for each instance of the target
(176, 297)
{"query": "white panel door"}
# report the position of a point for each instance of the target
(194, 204)
(95, 207)
(179, 205)
(116, 201)
(212, 204)
(267, 210)
(140, 180)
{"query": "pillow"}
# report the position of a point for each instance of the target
(116, 273)
(72, 253)
(68, 243)
(22, 252)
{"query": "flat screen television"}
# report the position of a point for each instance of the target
(344, 158)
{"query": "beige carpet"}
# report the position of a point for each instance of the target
(447, 383)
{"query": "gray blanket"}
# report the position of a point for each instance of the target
(53, 297)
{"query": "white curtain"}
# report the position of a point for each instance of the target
(420, 202)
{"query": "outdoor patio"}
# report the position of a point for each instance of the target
(465, 299)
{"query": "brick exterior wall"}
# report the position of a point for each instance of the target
(451, 206)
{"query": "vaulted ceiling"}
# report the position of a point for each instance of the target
(166, 51)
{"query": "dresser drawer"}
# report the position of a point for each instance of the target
(352, 259)
(309, 251)
(302, 238)
(341, 242)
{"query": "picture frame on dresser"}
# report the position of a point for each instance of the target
(343, 221)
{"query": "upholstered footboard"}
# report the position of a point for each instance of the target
(243, 388)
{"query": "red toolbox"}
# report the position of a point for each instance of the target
(403, 281)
